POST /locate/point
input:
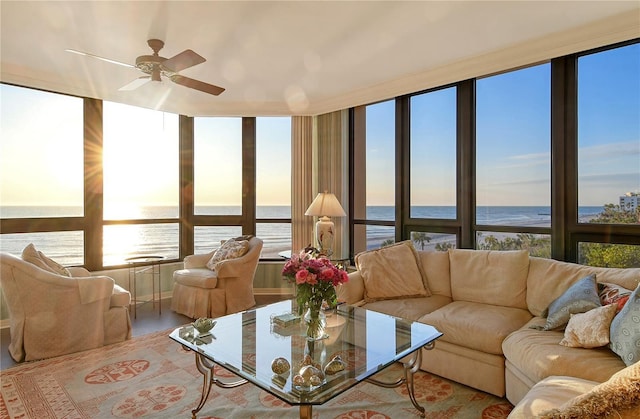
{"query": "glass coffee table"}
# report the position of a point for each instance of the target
(359, 343)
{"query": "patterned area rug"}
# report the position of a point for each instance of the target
(152, 376)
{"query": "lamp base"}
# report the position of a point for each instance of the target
(325, 235)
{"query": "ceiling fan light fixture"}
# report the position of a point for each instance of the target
(155, 74)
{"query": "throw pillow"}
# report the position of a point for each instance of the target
(579, 298)
(590, 329)
(32, 255)
(392, 272)
(613, 294)
(625, 330)
(230, 249)
(617, 397)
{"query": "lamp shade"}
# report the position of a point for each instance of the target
(325, 204)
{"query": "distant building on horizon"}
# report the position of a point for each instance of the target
(630, 201)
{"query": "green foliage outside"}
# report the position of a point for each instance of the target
(537, 245)
(612, 255)
(593, 254)
(613, 214)
(443, 247)
(420, 238)
(387, 242)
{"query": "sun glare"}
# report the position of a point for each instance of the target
(120, 242)
(122, 211)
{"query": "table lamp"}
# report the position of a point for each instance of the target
(325, 205)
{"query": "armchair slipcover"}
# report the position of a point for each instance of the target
(52, 314)
(202, 292)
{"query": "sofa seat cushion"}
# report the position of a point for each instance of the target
(120, 297)
(478, 326)
(409, 308)
(550, 393)
(538, 355)
(196, 277)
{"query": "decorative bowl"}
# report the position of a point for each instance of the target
(335, 366)
(309, 376)
(203, 324)
(280, 366)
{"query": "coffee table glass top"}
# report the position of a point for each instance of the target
(366, 341)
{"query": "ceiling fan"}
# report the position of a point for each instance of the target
(156, 66)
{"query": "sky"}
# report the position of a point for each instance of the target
(41, 145)
(513, 126)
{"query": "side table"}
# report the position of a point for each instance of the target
(145, 265)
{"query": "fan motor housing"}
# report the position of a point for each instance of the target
(148, 63)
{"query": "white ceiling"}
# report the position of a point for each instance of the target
(293, 57)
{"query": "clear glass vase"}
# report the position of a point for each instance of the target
(316, 322)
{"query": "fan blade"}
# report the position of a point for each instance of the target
(185, 59)
(86, 54)
(196, 84)
(140, 81)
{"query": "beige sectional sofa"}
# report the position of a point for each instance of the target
(489, 306)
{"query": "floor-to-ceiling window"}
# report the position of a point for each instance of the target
(547, 160)
(140, 172)
(513, 160)
(124, 164)
(608, 155)
(273, 184)
(41, 172)
(433, 164)
(510, 167)
(374, 186)
(217, 190)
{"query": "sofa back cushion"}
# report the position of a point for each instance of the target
(548, 279)
(490, 277)
(435, 266)
(392, 272)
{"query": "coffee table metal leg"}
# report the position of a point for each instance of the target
(206, 369)
(410, 367)
(306, 411)
(205, 366)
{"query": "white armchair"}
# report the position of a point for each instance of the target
(201, 292)
(52, 314)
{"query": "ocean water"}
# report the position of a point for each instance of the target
(122, 241)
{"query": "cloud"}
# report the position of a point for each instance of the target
(620, 149)
(599, 155)
(611, 179)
